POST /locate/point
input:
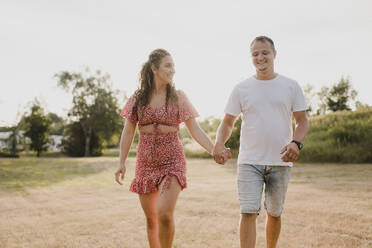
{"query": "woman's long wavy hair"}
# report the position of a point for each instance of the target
(147, 83)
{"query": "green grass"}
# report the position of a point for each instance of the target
(17, 174)
(115, 152)
(45, 154)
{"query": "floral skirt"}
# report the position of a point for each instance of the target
(159, 156)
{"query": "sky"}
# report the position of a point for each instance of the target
(317, 43)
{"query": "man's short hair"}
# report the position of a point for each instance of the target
(263, 38)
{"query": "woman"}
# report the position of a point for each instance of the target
(160, 175)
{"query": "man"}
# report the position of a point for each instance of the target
(267, 101)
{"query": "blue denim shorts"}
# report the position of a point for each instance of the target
(251, 181)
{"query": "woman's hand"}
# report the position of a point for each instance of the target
(221, 154)
(119, 174)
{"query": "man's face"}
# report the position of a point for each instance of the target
(263, 56)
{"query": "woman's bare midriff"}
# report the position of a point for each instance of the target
(160, 128)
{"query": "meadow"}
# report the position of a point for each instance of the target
(74, 202)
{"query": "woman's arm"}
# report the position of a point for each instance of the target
(126, 140)
(199, 135)
(223, 134)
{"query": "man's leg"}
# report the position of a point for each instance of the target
(273, 226)
(250, 186)
(276, 178)
(248, 230)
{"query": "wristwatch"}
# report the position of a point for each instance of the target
(298, 143)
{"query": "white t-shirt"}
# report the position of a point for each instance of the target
(267, 106)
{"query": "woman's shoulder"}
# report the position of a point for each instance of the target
(181, 95)
(180, 92)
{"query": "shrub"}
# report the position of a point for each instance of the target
(343, 136)
(74, 141)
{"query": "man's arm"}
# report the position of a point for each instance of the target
(223, 134)
(301, 126)
(290, 152)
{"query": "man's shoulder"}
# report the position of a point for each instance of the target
(286, 79)
(244, 83)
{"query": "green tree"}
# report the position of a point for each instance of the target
(57, 124)
(36, 126)
(309, 97)
(73, 142)
(234, 140)
(340, 95)
(322, 104)
(210, 124)
(94, 106)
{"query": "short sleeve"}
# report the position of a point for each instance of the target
(299, 102)
(233, 106)
(186, 109)
(128, 112)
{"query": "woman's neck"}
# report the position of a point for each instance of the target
(160, 87)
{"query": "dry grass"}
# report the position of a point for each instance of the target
(327, 206)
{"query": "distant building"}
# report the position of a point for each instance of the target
(53, 145)
(4, 136)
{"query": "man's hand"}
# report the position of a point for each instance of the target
(221, 154)
(119, 174)
(290, 152)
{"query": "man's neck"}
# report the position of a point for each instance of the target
(266, 75)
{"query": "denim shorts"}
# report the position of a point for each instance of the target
(251, 180)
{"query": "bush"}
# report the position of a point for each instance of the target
(234, 141)
(8, 155)
(343, 136)
(74, 141)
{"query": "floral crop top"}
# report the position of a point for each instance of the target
(173, 115)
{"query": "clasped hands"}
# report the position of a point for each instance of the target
(221, 154)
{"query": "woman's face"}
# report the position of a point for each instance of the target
(165, 72)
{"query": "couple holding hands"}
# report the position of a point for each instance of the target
(268, 146)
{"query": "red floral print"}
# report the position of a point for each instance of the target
(159, 155)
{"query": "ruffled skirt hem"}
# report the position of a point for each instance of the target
(145, 185)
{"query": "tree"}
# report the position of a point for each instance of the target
(309, 97)
(322, 105)
(234, 140)
(340, 94)
(210, 124)
(94, 105)
(57, 124)
(36, 128)
(74, 143)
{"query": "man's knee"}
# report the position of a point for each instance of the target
(249, 217)
(274, 216)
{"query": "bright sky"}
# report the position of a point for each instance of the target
(317, 42)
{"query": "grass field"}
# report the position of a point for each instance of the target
(70, 202)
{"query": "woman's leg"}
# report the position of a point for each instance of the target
(166, 204)
(148, 203)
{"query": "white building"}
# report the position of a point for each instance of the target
(4, 136)
(53, 145)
